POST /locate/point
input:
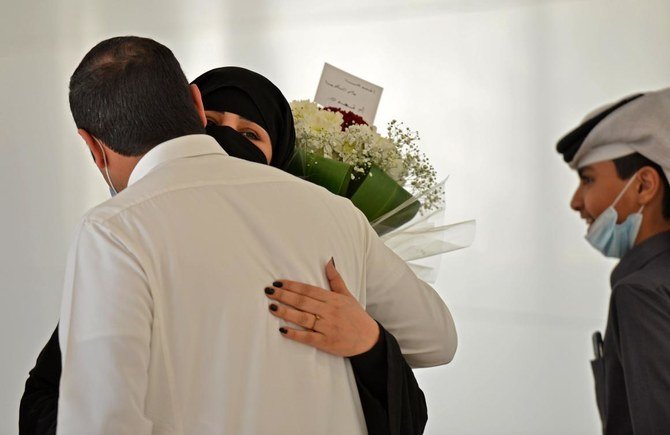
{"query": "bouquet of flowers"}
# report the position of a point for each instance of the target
(338, 150)
(387, 177)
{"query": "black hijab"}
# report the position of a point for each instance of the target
(252, 96)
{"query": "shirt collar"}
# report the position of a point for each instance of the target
(173, 149)
(640, 255)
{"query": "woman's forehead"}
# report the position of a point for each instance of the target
(229, 114)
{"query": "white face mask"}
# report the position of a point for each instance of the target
(610, 238)
(112, 190)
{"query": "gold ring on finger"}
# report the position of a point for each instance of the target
(316, 318)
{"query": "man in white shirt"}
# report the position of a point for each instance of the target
(164, 324)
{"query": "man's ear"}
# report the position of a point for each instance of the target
(650, 185)
(94, 147)
(197, 100)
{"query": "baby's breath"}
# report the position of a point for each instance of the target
(418, 174)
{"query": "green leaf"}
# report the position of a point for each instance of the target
(378, 194)
(375, 194)
(331, 174)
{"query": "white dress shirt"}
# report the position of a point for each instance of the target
(165, 326)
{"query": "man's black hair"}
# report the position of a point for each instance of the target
(628, 165)
(131, 93)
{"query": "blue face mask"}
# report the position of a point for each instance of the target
(613, 239)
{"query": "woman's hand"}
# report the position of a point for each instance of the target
(334, 321)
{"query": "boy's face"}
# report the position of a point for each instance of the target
(598, 187)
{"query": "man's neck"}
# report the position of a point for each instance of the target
(652, 225)
(124, 167)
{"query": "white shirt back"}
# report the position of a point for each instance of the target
(165, 326)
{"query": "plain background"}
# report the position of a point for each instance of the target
(490, 85)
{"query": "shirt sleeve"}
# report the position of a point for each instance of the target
(409, 309)
(39, 404)
(642, 328)
(105, 331)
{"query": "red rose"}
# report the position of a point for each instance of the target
(349, 118)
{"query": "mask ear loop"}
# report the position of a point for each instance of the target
(104, 159)
(641, 207)
(625, 188)
(620, 195)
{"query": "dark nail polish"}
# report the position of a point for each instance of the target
(332, 260)
(273, 307)
(283, 330)
(277, 284)
(269, 291)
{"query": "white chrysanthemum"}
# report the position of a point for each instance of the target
(317, 130)
(317, 119)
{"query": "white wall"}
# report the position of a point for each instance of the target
(491, 85)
